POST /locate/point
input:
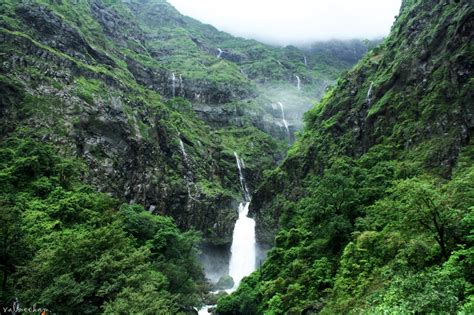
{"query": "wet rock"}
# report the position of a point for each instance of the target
(224, 283)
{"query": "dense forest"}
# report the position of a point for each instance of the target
(130, 133)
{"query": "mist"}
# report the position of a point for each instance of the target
(296, 22)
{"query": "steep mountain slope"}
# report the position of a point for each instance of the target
(374, 203)
(137, 90)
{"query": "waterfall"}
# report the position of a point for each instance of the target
(205, 310)
(305, 60)
(173, 83)
(285, 123)
(298, 82)
(243, 183)
(243, 251)
(188, 176)
(369, 93)
(220, 53)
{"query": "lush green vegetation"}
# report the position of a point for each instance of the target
(73, 250)
(371, 212)
(339, 251)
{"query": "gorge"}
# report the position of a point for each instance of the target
(152, 164)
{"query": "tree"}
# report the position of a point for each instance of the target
(423, 205)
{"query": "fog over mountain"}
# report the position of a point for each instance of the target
(295, 22)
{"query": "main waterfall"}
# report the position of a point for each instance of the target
(243, 251)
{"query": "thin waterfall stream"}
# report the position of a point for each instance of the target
(188, 175)
(298, 82)
(285, 123)
(369, 93)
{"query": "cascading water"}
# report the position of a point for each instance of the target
(243, 183)
(173, 83)
(243, 249)
(243, 252)
(205, 310)
(188, 177)
(298, 82)
(369, 93)
(305, 61)
(220, 52)
(285, 123)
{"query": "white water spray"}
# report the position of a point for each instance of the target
(298, 82)
(220, 53)
(243, 251)
(205, 310)
(305, 61)
(285, 123)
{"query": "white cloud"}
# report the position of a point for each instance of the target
(295, 21)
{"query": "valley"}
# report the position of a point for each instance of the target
(152, 164)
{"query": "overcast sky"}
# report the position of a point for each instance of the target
(295, 21)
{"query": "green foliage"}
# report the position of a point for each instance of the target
(67, 248)
(88, 90)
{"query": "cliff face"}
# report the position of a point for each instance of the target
(371, 212)
(139, 92)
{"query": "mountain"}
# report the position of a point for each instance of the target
(126, 131)
(372, 210)
(122, 84)
(115, 115)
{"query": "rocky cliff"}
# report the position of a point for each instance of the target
(142, 94)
